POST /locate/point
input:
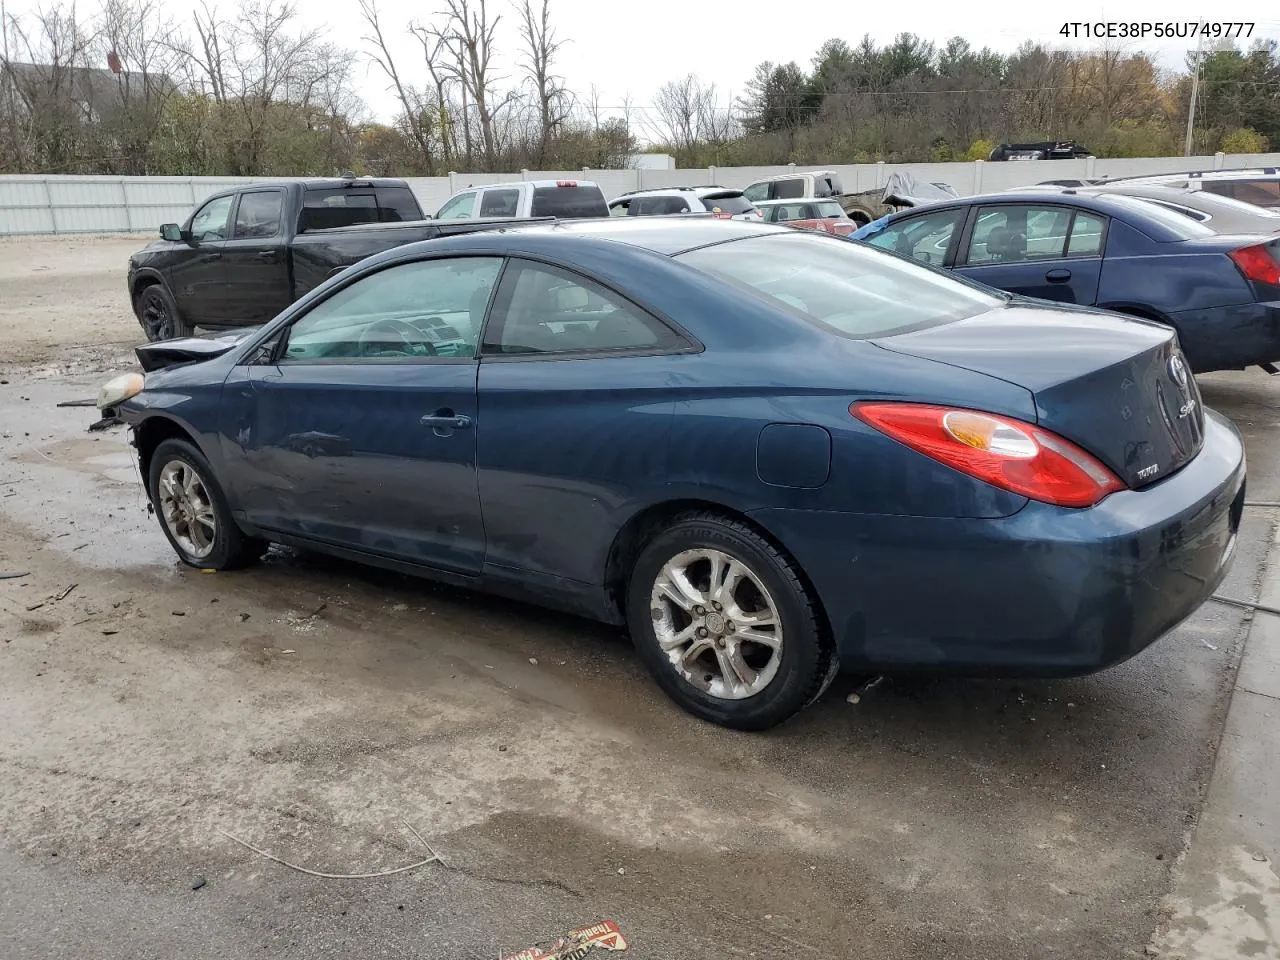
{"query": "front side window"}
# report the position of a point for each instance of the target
(411, 311)
(210, 221)
(545, 310)
(258, 215)
(757, 192)
(459, 208)
(847, 288)
(925, 238)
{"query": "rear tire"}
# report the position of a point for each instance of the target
(193, 511)
(158, 313)
(751, 674)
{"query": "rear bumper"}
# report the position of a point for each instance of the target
(1229, 338)
(1045, 592)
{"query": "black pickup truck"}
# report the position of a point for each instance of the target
(246, 254)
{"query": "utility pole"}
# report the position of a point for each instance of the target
(1195, 92)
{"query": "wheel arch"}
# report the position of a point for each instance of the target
(153, 431)
(144, 279)
(632, 536)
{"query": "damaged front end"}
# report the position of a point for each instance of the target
(160, 356)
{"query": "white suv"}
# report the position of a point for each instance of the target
(1259, 186)
(718, 201)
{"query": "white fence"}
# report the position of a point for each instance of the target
(34, 205)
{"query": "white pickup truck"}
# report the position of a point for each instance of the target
(563, 199)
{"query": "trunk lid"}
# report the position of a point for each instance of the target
(1118, 388)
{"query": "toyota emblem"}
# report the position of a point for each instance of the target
(1178, 370)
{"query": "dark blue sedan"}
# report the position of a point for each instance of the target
(1220, 293)
(769, 453)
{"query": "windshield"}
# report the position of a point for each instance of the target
(849, 288)
(569, 202)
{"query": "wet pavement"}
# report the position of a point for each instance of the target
(323, 712)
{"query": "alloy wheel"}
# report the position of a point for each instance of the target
(717, 624)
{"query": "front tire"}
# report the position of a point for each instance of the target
(725, 624)
(159, 316)
(193, 510)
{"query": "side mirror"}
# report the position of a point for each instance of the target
(171, 232)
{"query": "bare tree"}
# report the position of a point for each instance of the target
(540, 48)
(210, 59)
(139, 46)
(472, 35)
(45, 70)
(415, 111)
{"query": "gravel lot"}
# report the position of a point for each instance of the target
(318, 710)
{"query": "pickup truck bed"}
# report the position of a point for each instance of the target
(246, 254)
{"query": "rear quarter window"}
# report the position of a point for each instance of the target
(850, 289)
(569, 202)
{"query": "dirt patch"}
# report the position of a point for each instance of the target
(64, 296)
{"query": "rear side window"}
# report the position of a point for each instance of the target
(848, 288)
(660, 206)
(829, 208)
(1013, 233)
(791, 189)
(569, 202)
(499, 203)
(828, 186)
(541, 309)
(331, 207)
(732, 203)
(1086, 235)
(1261, 193)
(258, 215)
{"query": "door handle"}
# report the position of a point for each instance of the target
(267, 255)
(1058, 276)
(445, 418)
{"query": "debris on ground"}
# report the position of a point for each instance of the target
(577, 943)
(864, 688)
(78, 403)
(197, 883)
(7, 575)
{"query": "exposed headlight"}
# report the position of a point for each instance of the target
(117, 391)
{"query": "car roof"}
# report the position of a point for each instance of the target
(777, 203)
(698, 191)
(797, 173)
(324, 183)
(1239, 173)
(668, 236)
(540, 184)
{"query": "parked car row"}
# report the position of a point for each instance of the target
(1201, 262)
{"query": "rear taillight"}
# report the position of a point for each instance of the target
(1258, 264)
(1019, 457)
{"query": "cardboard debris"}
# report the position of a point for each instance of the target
(577, 943)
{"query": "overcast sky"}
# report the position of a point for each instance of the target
(629, 49)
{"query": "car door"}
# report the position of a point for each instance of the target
(575, 400)
(257, 259)
(197, 277)
(1045, 251)
(359, 429)
(929, 237)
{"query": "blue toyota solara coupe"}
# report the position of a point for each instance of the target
(1221, 293)
(769, 453)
